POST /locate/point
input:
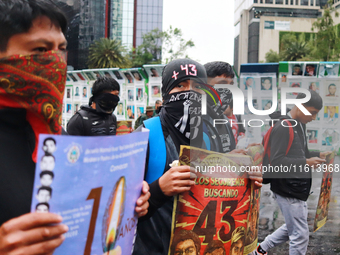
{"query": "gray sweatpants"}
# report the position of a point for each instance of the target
(295, 228)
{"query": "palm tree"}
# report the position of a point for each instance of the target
(294, 47)
(295, 51)
(107, 53)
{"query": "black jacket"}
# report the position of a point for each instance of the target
(17, 142)
(293, 184)
(154, 229)
(17, 168)
(88, 122)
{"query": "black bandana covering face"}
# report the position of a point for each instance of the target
(182, 110)
(105, 103)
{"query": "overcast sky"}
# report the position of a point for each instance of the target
(209, 23)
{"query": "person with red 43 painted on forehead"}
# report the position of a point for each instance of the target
(179, 123)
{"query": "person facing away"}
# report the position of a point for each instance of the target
(97, 118)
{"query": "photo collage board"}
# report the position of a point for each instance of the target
(154, 84)
(262, 80)
(138, 88)
(77, 93)
(323, 78)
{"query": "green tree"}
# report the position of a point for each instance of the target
(156, 43)
(106, 53)
(272, 57)
(294, 47)
(327, 41)
(150, 51)
(174, 46)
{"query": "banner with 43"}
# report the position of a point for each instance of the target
(220, 213)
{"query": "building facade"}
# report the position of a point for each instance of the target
(123, 20)
(259, 23)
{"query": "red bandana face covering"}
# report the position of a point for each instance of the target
(35, 83)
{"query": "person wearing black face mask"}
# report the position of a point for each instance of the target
(180, 122)
(97, 118)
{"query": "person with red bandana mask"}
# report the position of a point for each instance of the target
(32, 81)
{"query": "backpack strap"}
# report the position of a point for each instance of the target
(266, 139)
(291, 136)
(86, 121)
(157, 150)
(266, 145)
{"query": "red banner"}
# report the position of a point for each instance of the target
(219, 213)
(325, 192)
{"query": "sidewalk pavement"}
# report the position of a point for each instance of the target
(325, 241)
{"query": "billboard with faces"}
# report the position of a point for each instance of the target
(262, 82)
(323, 78)
(138, 88)
(76, 86)
(133, 93)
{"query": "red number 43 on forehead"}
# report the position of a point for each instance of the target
(189, 70)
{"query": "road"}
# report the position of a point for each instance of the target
(325, 241)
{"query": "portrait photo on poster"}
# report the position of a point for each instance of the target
(296, 69)
(249, 82)
(118, 75)
(331, 89)
(140, 110)
(128, 77)
(331, 114)
(155, 91)
(120, 109)
(130, 93)
(311, 69)
(312, 135)
(137, 76)
(91, 76)
(76, 91)
(140, 94)
(266, 83)
(130, 109)
(84, 92)
(315, 86)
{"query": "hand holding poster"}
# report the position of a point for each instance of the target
(325, 192)
(220, 212)
(93, 183)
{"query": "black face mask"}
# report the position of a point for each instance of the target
(182, 111)
(105, 103)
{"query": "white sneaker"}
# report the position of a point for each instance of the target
(256, 252)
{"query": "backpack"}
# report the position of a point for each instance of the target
(266, 145)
